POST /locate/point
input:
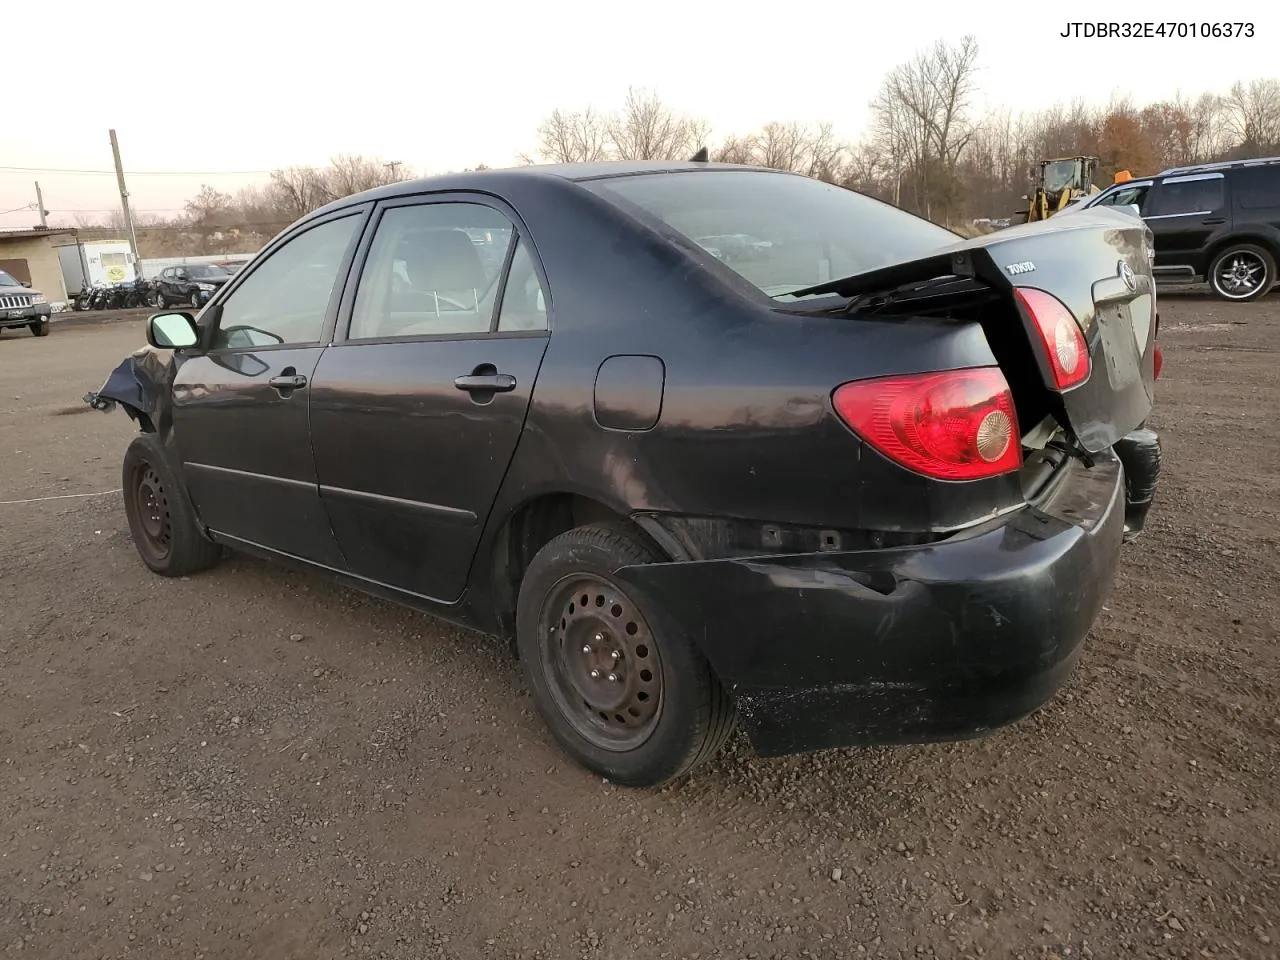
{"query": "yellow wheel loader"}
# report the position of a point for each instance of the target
(1060, 182)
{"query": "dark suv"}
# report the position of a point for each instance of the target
(20, 306)
(194, 284)
(1217, 223)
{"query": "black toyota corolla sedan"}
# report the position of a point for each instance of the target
(857, 481)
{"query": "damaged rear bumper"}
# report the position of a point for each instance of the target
(906, 645)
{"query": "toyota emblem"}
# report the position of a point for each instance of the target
(1127, 275)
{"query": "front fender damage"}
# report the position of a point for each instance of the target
(138, 384)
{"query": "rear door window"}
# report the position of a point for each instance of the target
(1181, 197)
(1258, 188)
(434, 269)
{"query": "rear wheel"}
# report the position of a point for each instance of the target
(161, 519)
(1243, 271)
(625, 693)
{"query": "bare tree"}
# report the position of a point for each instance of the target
(579, 137)
(209, 209)
(900, 111)
(865, 166)
(827, 153)
(1252, 114)
(647, 129)
(1209, 133)
(353, 173)
(783, 146)
(736, 149)
(297, 191)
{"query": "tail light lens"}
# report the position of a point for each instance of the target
(1060, 334)
(1157, 362)
(956, 425)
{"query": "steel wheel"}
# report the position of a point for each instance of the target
(155, 523)
(1241, 274)
(601, 661)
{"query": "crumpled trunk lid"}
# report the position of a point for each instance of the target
(1097, 263)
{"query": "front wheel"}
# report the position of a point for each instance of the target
(1241, 272)
(40, 329)
(161, 518)
(625, 693)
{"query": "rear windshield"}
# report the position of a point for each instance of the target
(780, 232)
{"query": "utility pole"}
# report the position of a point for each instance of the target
(44, 225)
(394, 167)
(124, 204)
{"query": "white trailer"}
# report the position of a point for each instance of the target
(87, 262)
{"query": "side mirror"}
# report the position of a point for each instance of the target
(1132, 208)
(25, 283)
(172, 331)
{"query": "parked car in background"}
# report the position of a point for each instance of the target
(194, 284)
(1217, 223)
(866, 485)
(21, 306)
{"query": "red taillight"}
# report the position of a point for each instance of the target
(957, 425)
(1060, 334)
(1157, 362)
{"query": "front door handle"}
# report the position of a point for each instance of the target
(286, 382)
(486, 383)
(1214, 220)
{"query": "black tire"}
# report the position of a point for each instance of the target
(1233, 263)
(195, 299)
(648, 744)
(161, 518)
(159, 301)
(40, 329)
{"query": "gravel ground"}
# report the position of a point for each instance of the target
(256, 763)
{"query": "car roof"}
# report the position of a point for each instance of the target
(1219, 167)
(550, 173)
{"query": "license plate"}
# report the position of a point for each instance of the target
(1119, 345)
(15, 314)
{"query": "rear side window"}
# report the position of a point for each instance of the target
(433, 269)
(1258, 188)
(1180, 197)
(780, 232)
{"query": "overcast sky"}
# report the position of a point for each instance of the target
(236, 86)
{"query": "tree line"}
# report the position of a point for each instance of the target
(926, 149)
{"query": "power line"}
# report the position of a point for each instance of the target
(141, 173)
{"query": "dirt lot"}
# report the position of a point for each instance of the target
(255, 763)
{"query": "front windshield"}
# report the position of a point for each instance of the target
(8, 281)
(1059, 175)
(780, 232)
(207, 271)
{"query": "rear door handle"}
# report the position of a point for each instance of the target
(1214, 220)
(486, 383)
(295, 382)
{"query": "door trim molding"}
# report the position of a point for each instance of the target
(231, 471)
(437, 511)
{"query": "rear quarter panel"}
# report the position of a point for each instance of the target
(746, 428)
